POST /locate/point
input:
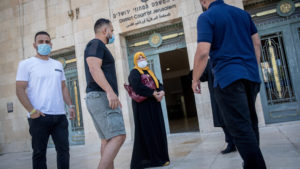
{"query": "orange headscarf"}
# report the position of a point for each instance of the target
(135, 59)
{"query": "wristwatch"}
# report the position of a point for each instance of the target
(71, 106)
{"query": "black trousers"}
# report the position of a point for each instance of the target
(228, 137)
(40, 130)
(237, 105)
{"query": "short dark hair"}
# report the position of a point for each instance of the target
(41, 33)
(101, 22)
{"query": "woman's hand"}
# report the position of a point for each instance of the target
(159, 95)
(155, 94)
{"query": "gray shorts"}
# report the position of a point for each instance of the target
(108, 122)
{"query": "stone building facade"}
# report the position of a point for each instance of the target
(164, 29)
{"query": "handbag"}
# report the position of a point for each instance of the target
(147, 81)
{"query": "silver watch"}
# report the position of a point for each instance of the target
(71, 106)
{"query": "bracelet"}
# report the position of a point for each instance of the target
(71, 106)
(32, 111)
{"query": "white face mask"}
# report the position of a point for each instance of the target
(142, 64)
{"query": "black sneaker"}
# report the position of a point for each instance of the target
(229, 149)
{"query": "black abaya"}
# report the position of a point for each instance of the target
(150, 142)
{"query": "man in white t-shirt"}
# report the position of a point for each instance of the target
(41, 88)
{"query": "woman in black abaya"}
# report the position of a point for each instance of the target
(150, 141)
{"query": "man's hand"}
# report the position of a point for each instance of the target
(37, 114)
(200, 62)
(72, 113)
(196, 87)
(113, 100)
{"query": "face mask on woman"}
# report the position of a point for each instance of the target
(142, 64)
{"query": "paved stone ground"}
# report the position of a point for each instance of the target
(280, 144)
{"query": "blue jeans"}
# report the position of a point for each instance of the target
(40, 129)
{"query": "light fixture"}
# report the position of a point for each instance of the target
(77, 12)
(71, 14)
(168, 69)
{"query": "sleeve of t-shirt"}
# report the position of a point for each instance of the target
(95, 50)
(253, 29)
(63, 77)
(22, 73)
(204, 29)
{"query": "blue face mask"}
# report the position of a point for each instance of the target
(44, 49)
(112, 39)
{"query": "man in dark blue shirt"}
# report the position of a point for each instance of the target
(228, 35)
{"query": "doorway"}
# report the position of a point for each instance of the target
(279, 68)
(279, 73)
(165, 47)
(180, 101)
